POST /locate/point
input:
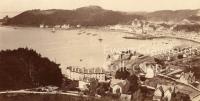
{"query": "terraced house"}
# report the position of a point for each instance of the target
(83, 74)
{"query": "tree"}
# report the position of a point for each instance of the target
(137, 96)
(102, 88)
(93, 87)
(24, 68)
(159, 61)
(134, 85)
(122, 74)
(69, 85)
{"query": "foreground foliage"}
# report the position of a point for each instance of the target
(24, 68)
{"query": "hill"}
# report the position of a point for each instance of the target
(97, 16)
(194, 18)
(170, 15)
(24, 68)
(86, 16)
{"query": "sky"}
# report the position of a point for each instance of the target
(119, 5)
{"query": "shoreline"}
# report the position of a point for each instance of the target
(35, 92)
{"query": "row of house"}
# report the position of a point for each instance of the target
(121, 27)
(83, 74)
(64, 26)
(4, 20)
(142, 27)
(150, 70)
(179, 74)
(56, 26)
(179, 51)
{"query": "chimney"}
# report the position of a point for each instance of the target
(123, 66)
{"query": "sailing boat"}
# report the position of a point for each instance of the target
(100, 39)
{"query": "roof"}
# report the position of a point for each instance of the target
(187, 75)
(118, 82)
(196, 97)
(84, 70)
(149, 87)
(175, 72)
(164, 88)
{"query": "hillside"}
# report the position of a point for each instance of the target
(86, 16)
(24, 68)
(194, 18)
(97, 16)
(170, 15)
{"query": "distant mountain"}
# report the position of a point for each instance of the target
(169, 15)
(87, 16)
(97, 16)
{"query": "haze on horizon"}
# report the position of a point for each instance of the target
(17, 6)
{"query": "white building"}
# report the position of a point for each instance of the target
(122, 28)
(57, 26)
(78, 26)
(82, 85)
(136, 23)
(65, 26)
(41, 25)
(77, 73)
(116, 27)
(187, 78)
(119, 86)
(149, 69)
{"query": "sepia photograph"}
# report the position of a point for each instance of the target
(100, 50)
